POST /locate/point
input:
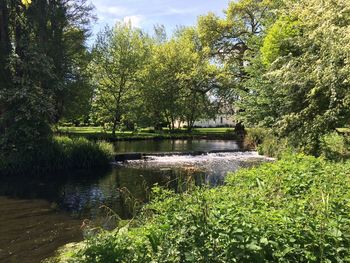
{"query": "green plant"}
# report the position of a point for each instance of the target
(274, 147)
(335, 147)
(293, 210)
(59, 154)
(255, 136)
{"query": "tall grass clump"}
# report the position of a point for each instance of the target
(294, 210)
(62, 153)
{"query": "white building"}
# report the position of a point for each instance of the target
(220, 121)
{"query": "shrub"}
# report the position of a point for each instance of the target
(274, 147)
(60, 154)
(255, 136)
(266, 143)
(293, 210)
(335, 147)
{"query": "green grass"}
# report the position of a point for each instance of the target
(99, 133)
(81, 129)
(294, 210)
(212, 130)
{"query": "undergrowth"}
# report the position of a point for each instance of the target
(62, 153)
(294, 210)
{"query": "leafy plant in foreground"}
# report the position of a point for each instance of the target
(294, 210)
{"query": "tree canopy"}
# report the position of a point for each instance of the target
(281, 64)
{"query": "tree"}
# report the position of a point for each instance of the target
(235, 39)
(118, 58)
(35, 69)
(199, 81)
(161, 89)
(234, 42)
(307, 74)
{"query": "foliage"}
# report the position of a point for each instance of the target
(273, 146)
(267, 143)
(335, 147)
(178, 81)
(277, 40)
(42, 53)
(294, 210)
(235, 39)
(255, 136)
(304, 92)
(62, 153)
(118, 59)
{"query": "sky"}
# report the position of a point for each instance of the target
(146, 13)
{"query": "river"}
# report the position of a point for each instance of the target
(41, 213)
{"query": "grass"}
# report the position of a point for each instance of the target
(99, 133)
(293, 210)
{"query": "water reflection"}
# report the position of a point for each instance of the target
(82, 193)
(176, 146)
(60, 202)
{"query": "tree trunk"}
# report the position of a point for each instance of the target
(190, 125)
(114, 127)
(172, 124)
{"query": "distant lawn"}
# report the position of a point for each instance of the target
(213, 130)
(89, 130)
(147, 133)
(92, 130)
(81, 129)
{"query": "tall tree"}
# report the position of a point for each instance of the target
(118, 58)
(234, 40)
(307, 72)
(33, 57)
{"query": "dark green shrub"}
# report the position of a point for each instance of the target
(60, 154)
(255, 136)
(294, 210)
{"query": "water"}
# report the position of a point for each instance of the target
(176, 146)
(37, 215)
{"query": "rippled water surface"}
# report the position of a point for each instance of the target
(37, 215)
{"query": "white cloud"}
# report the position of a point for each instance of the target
(135, 20)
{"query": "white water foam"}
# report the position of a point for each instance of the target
(190, 159)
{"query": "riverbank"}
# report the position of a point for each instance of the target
(97, 133)
(293, 210)
(123, 188)
(59, 153)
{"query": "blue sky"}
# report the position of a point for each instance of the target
(145, 13)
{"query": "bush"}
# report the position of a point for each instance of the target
(266, 143)
(255, 136)
(60, 154)
(274, 147)
(335, 147)
(294, 210)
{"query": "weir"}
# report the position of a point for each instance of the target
(121, 157)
